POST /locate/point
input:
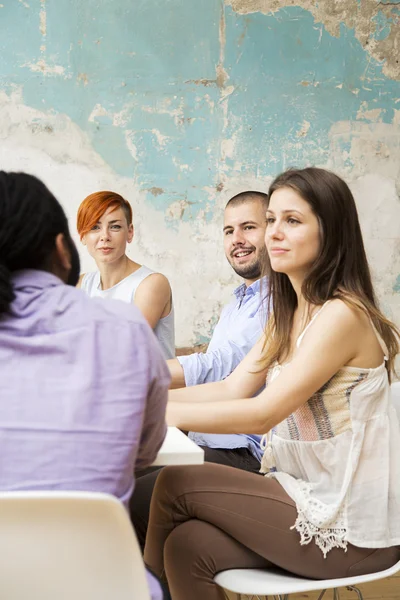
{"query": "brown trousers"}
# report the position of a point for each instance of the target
(139, 504)
(208, 518)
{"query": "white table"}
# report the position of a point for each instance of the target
(178, 449)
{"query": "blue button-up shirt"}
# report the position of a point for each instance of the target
(238, 329)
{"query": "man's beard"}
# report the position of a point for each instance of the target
(253, 270)
(249, 271)
(73, 275)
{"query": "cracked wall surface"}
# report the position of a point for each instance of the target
(375, 23)
(178, 105)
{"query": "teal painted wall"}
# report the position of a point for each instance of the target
(177, 104)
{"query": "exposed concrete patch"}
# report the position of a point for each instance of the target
(304, 129)
(183, 167)
(42, 65)
(83, 78)
(396, 117)
(227, 145)
(98, 111)
(131, 146)
(227, 148)
(176, 210)
(355, 14)
(222, 75)
(163, 106)
(161, 139)
(156, 191)
(368, 114)
(372, 168)
(378, 205)
(205, 82)
(371, 148)
(42, 17)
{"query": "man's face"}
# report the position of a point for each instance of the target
(244, 233)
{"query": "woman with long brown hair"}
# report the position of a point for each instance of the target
(104, 223)
(329, 505)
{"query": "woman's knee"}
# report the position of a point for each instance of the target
(170, 482)
(190, 548)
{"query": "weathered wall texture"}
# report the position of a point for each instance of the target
(176, 104)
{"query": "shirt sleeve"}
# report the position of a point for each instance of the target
(218, 363)
(154, 427)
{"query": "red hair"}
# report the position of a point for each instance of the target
(95, 205)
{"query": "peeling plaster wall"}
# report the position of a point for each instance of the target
(178, 104)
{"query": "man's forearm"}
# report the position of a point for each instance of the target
(177, 374)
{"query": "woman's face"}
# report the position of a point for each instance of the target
(293, 235)
(106, 241)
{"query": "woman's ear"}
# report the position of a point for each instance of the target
(63, 253)
(131, 233)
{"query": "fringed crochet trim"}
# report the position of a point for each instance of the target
(325, 538)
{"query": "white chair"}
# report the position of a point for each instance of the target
(276, 582)
(68, 546)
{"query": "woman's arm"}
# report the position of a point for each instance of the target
(177, 373)
(243, 382)
(330, 343)
(153, 298)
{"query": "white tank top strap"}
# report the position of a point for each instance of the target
(310, 323)
(140, 275)
(378, 336)
(89, 281)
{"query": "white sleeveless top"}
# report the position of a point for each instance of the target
(338, 457)
(125, 290)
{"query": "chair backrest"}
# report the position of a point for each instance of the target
(395, 395)
(68, 546)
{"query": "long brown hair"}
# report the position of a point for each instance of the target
(340, 271)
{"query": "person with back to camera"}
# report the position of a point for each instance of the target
(105, 227)
(329, 504)
(83, 382)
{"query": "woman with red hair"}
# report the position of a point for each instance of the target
(105, 226)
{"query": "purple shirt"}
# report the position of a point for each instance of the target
(83, 391)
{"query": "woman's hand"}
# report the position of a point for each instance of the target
(172, 414)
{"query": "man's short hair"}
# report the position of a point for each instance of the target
(249, 196)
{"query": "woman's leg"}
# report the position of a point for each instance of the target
(253, 512)
(195, 551)
(139, 504)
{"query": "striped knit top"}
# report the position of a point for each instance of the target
(338, 457)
